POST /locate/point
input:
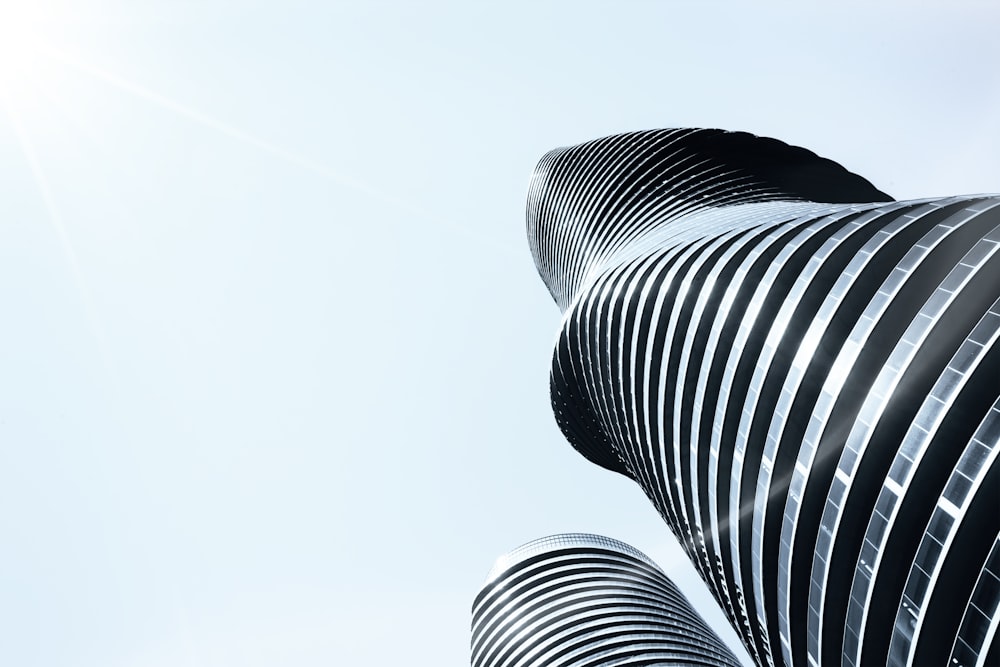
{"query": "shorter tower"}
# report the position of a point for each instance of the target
(578, 600)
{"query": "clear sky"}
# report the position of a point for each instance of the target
(273, 354)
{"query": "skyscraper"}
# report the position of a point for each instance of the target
(801, 374)
(579, 600)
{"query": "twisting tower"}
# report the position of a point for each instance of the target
(578, 600)
(802, 375)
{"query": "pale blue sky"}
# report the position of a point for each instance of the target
(274, 357)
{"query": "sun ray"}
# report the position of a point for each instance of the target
(280, 152)
(206, 120)
(65, 243)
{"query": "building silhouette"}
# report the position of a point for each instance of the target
(579, 600)
(803, 376)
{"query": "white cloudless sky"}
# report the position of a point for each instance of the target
(273, 354)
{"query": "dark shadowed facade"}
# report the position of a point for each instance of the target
(579, 600)
(802, 375)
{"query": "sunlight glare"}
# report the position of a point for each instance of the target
(20, 24)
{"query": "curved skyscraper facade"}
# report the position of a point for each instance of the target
(802, 374)
(579, 600)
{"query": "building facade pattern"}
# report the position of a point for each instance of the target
(578, 600)
(803, 376)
